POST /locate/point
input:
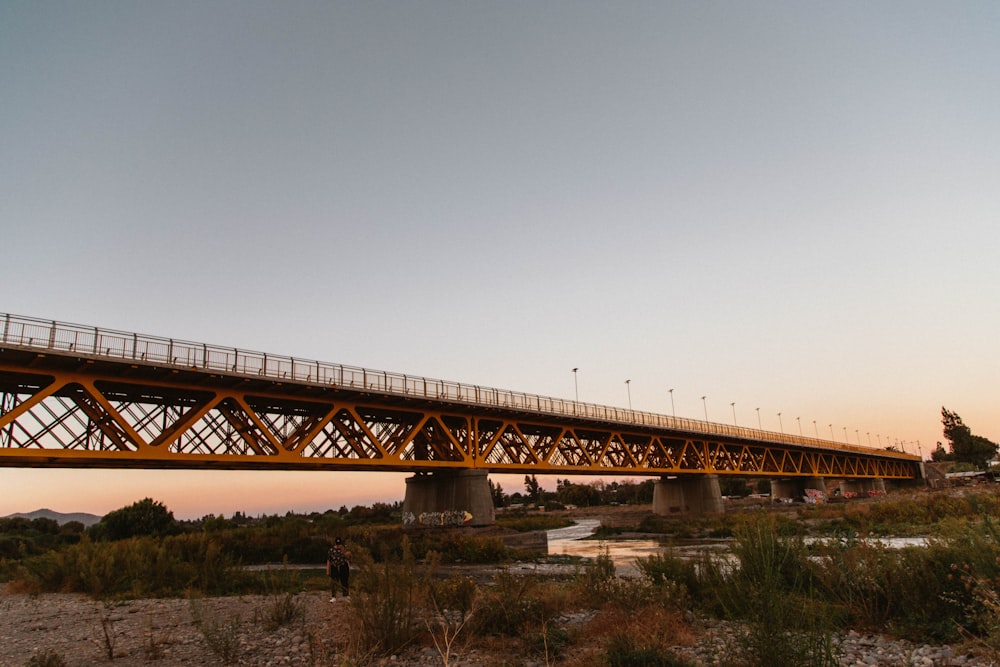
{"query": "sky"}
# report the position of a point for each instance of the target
(790, 206)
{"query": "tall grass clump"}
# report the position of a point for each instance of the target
(510, 605)
(384, 600)
(221, 634)
(46, 658)
(625, 649)
(767, 585)
(667, 569)
(598, 582)
(940, 592)
(283, 605)
(453, 604)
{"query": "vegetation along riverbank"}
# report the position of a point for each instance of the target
(141, 588)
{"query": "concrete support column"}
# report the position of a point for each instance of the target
(861, 487)
(785, 488)
(851, 487)
(797, 487)
(815, 483)
(448, 498)
(688, 495)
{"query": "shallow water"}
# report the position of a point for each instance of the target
(571, 541)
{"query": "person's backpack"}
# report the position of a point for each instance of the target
(337, 558)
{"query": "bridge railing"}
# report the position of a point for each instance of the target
(33, 333)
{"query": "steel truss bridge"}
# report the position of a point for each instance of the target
(84, 397)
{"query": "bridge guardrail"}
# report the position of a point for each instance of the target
(34, 333)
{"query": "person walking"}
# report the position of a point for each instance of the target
(338, 567)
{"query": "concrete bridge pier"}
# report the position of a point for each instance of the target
(698, 494)
(448, 498)
(862, 487)
(796, 487)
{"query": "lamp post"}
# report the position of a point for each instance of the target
(780, 425)
(832, 436)
(759, 425)
(628, 387)
(869, 434)
(704, 405)
(733, 406)
(576, 387)
(858, 436)
(845, 436)
(673, 410)
(816, 429)
(799, 420)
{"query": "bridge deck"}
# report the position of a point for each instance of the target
(72, 395)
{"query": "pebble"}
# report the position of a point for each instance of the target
(855, 649)
(162, 633)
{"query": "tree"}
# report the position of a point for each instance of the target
(965, 446)
(145, 517)
(532, 488)
(582, 495)
(497, 494)
(940, 454)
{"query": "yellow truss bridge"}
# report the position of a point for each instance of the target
(77, 396)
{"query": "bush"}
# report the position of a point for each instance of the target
(509, 606)
(769, 588)
(46, 658)
(597, 582)
(625, 649)
(221, 634)
(940, 591)
(138, 567)
(666, 568)
(383, 602)
(145, 517)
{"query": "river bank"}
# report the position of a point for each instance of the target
(165, 633)
(239, 630)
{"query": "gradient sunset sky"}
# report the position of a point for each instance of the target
(790, 206)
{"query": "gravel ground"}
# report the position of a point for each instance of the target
(164, 633)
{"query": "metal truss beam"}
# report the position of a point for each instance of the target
(67, 411)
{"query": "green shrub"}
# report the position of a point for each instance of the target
(455, 594)
(941, 591)
(597, 582)
(383, 603)
(624, 650)
(768, 586)
(137, 567)
(662, 569)
(222, 635)
(46, 658)
(509, 606)
(548, 641)
(283, 609)
(524, 523)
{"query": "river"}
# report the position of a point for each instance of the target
(572, 541)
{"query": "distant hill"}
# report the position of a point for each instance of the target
(82, 517)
